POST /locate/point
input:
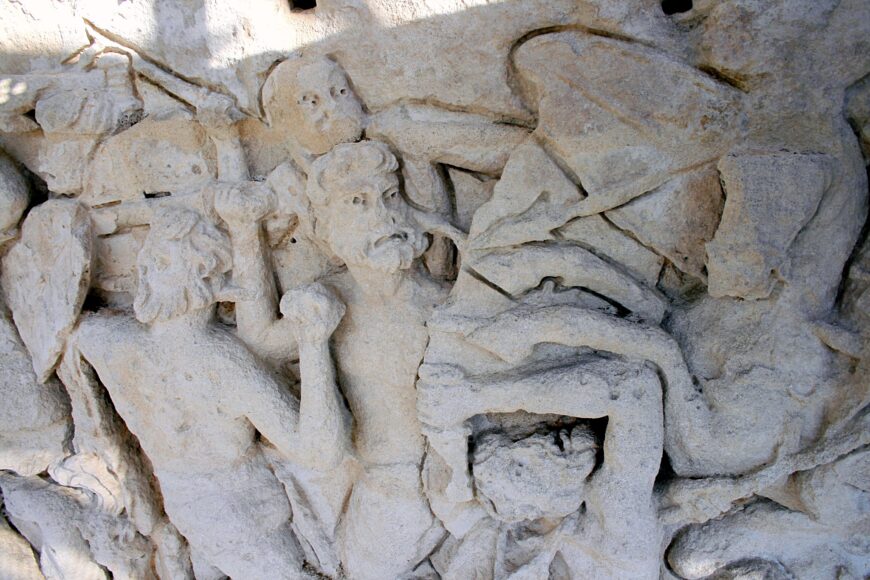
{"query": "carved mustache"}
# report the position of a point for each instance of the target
(401, 236)
(394, 233)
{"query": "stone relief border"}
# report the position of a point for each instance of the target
(344, 332)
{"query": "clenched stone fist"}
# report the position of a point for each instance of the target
(243, 203)
(217, 113)
(315, 311)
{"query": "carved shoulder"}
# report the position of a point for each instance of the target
(105, 331)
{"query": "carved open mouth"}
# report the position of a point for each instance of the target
(396, 237)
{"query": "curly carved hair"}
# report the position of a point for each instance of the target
(180, 237)
(347, 166)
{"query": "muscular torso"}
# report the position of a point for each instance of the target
(177, 409)
(379, 346)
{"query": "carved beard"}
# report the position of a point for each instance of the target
(395, 252)
(161, 297)
(386, 252)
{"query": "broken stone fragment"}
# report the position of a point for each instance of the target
(532, 198)
(677, 218)
(14, 196)
(19, 561)
(46, 278)
(34, 418)
(769, 199)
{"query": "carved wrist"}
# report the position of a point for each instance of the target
(244, 232)
(313, 345)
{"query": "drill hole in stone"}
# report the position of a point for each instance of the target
(670, 7)
(302, 5)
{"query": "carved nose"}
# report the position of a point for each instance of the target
(328, 106)
(382, 214)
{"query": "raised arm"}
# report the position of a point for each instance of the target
(630, 395)
(424, 133)
(324, 421)
(621, 491)
(447, 398)
(687, 411)
(218, 114)
(315, 432)
(242, 207)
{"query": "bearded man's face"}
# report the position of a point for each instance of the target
(370, 225)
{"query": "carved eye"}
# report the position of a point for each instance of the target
(391, 195)
(357, 200)
(342, 92)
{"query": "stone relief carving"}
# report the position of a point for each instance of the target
(342, 293)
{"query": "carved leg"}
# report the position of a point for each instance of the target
(763, 531)
(388, 528)
(237, 521)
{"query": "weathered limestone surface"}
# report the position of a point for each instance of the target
(518, 289)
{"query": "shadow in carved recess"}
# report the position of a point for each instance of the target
(375, 314)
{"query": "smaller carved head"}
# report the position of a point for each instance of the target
(542, 475)
(358, 210)
(313, 98)
(181, 265)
